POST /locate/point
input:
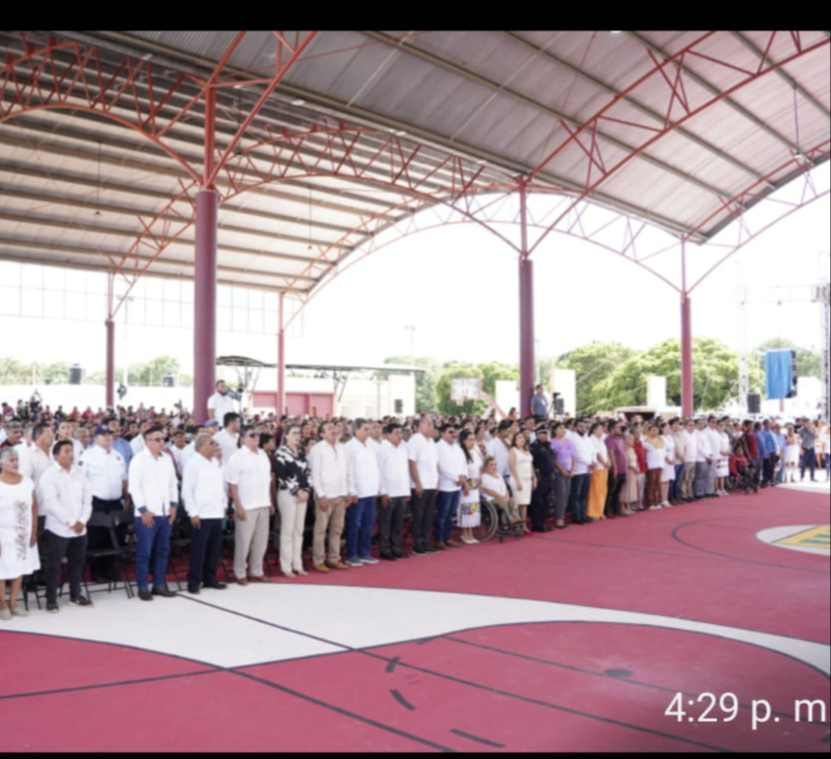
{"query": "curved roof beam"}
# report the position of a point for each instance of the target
(496, 87)
(592, 157)
(702, 143)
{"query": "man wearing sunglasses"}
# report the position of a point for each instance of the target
(249, 477)
(155, 492)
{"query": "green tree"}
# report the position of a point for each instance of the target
(14, 372)
(808, 363)
(493, 371)
(445, 404)
(151, 373)
(715, 376)
(592, 364)
(425, 381)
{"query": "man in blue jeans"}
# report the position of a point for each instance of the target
(154, 489)
(582, 475)
(366, 487)
(452, 478)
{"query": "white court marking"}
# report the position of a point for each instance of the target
(772, 534)
(347, 617)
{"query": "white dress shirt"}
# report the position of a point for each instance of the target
(66, 498)
(203, 488)
(395, 470)
(106, 472)
(24, 457)
(702, 440)
(426, 457)
(599, 449)
(452, 465)
(137, 444)
(501, 453)
(221, 405)
(177, 458)
(366, 477)
(228, 444)
(714, 437)
(690, 447)
(251, 473)
(583, 453)
(40, 463)
(188, 452)
(331, 470)
(152, 483)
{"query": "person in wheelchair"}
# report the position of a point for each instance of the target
(740, 469)
(493, 487)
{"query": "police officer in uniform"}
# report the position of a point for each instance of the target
(543, 457)
(106, 471)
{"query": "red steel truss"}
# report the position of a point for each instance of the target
(71, 75)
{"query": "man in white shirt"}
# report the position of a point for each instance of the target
(331, 473)
(500, 447)
(203, 495)
(155, 493)
(366, 486)
(248, 474)
(177, 448)
(106, 471)
(583, 464)
(690, 454)
(221, 402)
(228, 438)
(424, 470)
(395, 492)
(714, 438)
(66, 498)
(137, 443)
(452, 478)
(703, 459)
(41, 457)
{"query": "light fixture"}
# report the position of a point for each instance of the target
(401, 133)
(147, 56)
(298, 101)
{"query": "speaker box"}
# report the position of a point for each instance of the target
(754, 403)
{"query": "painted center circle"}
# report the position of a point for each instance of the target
(808, 538)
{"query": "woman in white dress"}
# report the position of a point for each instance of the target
(18, 531)
(470, 515)
(791, 453)
(523, 480)
(669, 466)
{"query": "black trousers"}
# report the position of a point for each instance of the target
(808, 460)
(424, 511)
(540, 499)
(391, 524)
(205, 546)
(767, 468)
(99, 537)
(616, 483)
(75, 549)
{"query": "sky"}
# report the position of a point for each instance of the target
(458, 287)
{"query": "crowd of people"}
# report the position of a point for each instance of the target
(154, 467)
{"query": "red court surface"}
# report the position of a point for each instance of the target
(489, 658)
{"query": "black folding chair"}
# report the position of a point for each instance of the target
(30, 582)
(111, 522)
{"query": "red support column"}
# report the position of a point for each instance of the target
(110, 374)
(686, 358)
(686, 340)
(281, 364)
(204, 275)
(527, 372)
(204, 302)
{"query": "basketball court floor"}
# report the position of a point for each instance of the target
(704, 627)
